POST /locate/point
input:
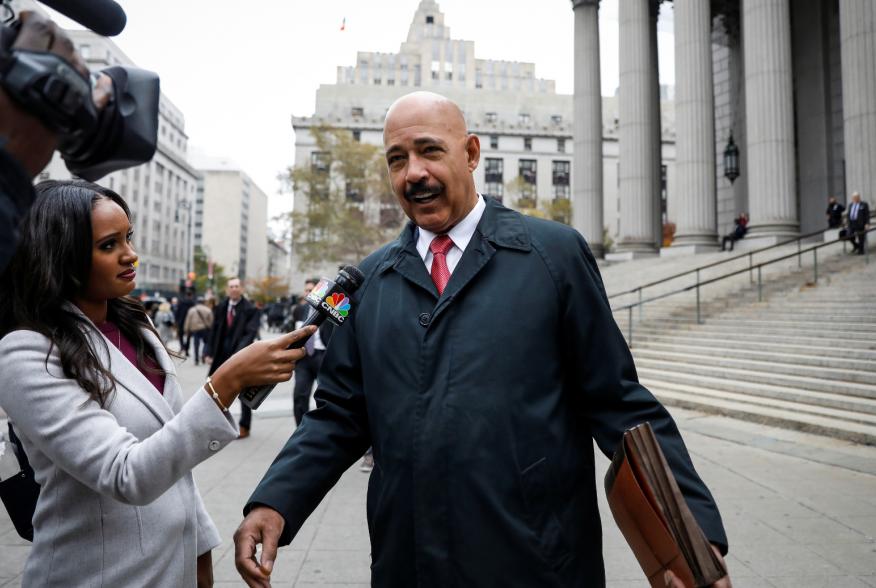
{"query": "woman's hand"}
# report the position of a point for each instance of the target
(205, 570)
(262, 362)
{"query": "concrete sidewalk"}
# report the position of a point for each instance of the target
(800, 510)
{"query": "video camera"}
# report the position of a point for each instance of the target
(92, 144)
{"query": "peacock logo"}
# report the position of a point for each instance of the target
(340, 303)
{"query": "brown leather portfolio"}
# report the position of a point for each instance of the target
(653, 516)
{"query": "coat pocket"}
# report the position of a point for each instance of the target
(542, 518)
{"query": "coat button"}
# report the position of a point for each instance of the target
(425, 319)
(214, 445)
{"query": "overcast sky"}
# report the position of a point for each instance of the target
(239, 70)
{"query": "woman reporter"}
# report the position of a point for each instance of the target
(93, 395)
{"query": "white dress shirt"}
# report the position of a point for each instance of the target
(461, 234)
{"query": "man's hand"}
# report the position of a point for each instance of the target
(205, 570)
(263, 525)
(672, 581)
(27, 138)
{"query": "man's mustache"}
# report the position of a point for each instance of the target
(423, 189)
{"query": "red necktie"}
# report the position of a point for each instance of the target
(230, 317)
(440, 273)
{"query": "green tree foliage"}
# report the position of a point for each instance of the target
(351, 209)
(527, 201)
(202, 280)
(267, 289)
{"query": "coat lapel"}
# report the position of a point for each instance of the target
(499, 227)
(406, 261)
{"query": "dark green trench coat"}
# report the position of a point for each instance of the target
(482, 407)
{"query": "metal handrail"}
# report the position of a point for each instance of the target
(749, 254)
(814, 249)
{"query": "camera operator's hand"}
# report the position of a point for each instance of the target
(27, 138)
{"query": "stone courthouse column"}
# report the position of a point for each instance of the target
(769, 111)
(638, 185)
(587, 198)
(858, 54)
(692, 200)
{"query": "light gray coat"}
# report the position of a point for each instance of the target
(118, 505)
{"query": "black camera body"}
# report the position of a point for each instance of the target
(123, 134)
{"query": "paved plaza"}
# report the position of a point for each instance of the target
(800, 510)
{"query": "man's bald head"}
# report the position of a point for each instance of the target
(431, 158)
(423, 106)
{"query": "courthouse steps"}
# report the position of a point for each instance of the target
(804, 358)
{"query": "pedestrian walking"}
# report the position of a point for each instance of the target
(308, 367)
(164, 322)
(91, 392)
(859, 223)
(236, 323)
(179, 317)
(197, 325)
(482, 438)
(834, 213)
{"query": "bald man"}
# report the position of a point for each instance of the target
(482, 430)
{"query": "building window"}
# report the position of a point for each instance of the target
(491, 118)
(561, 145)
(527, 143)
(390, 82)
(430, 20)
(557, 119)
(494, 141)
(377, 81)
(527, 172)
(352, 192)
(494, 181)
(357, 111)
(434, 75)
(357, 135)
(524, 119)
(319, 161)
(560, 178)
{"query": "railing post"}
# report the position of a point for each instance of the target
(640, 303)
(815, 264)
(630, 319)
(750, 266)
(759, 285)
(699, 319)
(799, 254)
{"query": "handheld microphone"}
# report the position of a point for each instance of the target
(104, 17)
(330, 300)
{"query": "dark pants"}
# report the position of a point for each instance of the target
(305, 374)
(183, 340)
(200, 339)
(245, 416)
(859, 240)
(728, 239)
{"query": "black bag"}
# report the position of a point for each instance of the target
(20, 493)
(844, 234)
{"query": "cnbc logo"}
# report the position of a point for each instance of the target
(318, 293)
(337, 305)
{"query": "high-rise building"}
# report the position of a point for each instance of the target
(525, 127)
(231, 218)
(160, 193)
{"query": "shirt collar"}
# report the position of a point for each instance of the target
(461, 234)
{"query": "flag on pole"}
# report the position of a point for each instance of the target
(344, 23)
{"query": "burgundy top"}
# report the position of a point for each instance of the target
(112, 332)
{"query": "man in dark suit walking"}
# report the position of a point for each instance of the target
(859, 223)
(235, 325)
(482, 432)
(308, 367)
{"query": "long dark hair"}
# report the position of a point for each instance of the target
(50, 267)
